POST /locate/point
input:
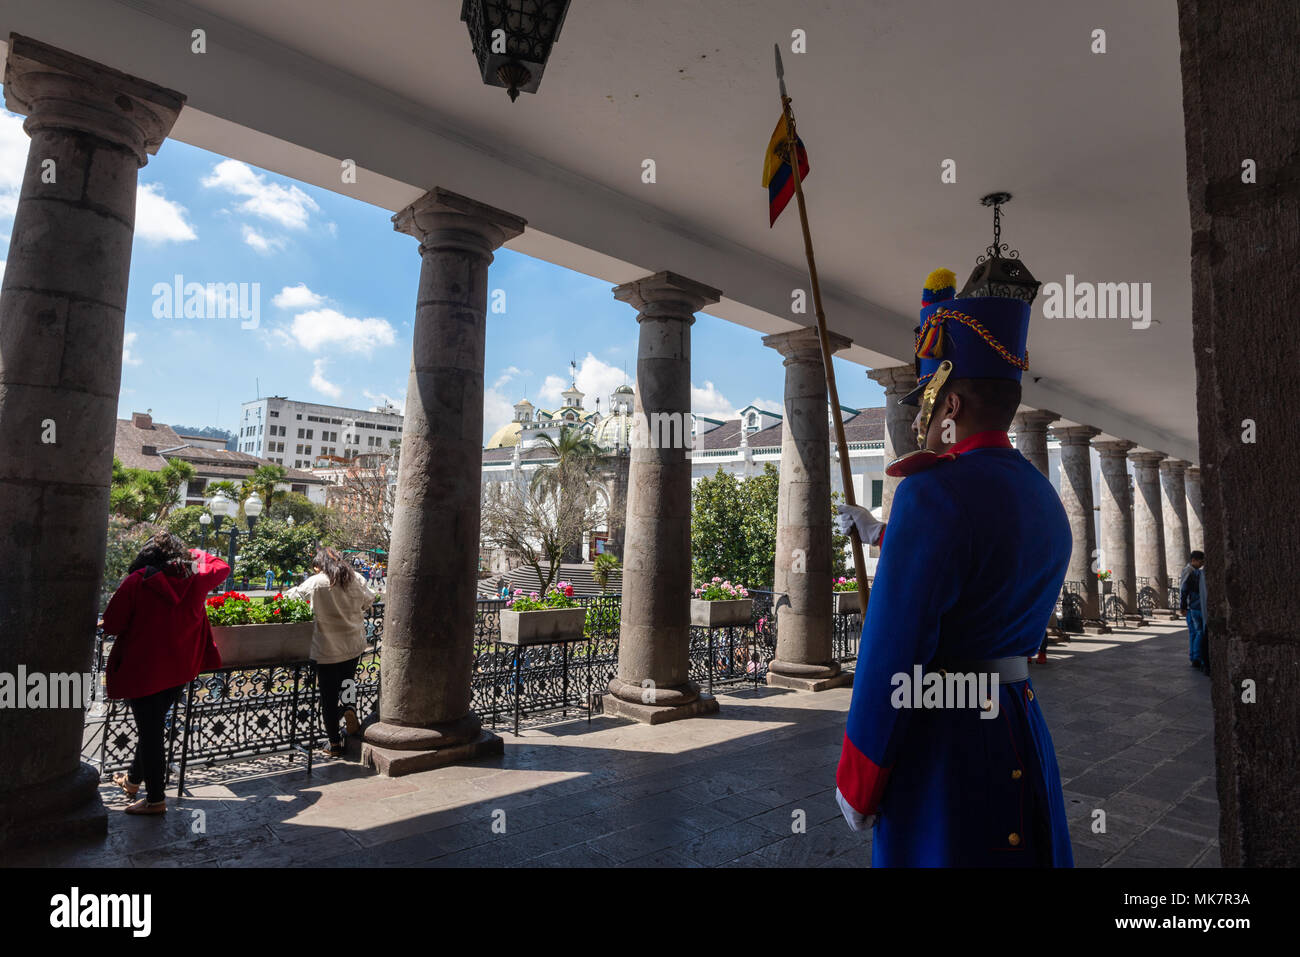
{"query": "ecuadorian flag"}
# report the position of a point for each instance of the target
(778, 176)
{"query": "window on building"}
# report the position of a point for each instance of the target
(274, 414)
(877, 492)
(309, 433)
(300, 489)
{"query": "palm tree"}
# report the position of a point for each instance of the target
(264, 481)
(570, 479)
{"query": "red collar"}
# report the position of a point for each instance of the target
(990, 439)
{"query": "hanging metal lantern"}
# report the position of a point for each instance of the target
(1000, 271)
(512, 39)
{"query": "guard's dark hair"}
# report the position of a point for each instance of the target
(992, 402)
(164, 552)
(1198, 555)
(332, 564)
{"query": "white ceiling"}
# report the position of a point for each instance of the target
(1090, 144)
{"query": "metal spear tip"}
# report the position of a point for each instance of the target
(780, 69)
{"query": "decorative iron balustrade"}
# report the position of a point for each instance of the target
(257, 711)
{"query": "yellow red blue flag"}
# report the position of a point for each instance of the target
(778, 176)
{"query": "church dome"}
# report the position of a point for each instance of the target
(623, 390)
(504, 437)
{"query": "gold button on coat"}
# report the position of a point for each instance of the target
(1015, 775)
(1013, 838)
(1030, 693)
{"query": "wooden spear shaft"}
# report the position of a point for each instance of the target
(837, 418)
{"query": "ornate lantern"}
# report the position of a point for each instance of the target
(1000, 271)
(512, 39)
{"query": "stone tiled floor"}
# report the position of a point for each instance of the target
(1131, 721)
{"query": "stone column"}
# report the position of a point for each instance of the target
(1239, 87)
(1030, 429)
(1148, 523)
(425, 718)
(804, 655)
(900, 437)
(1195, 529)
(1076, 496)
(62, 311)
(1174, 506)
(1117, 520)
(653, 682)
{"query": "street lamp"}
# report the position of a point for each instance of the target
(224, 507)
(205, 520)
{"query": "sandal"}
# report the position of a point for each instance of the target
(122, 780)
(332, 751)
(143, 806)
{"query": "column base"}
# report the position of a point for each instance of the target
(393, 763)
(1096, 629)
(659, 713)
(796, 683)
(68, 809)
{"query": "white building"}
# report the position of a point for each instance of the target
(303, 435)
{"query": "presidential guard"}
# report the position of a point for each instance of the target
(970, 567)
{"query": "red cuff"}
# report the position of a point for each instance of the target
(860, 780)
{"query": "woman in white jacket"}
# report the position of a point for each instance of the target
(339, 600)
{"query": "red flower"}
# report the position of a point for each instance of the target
(276, 612)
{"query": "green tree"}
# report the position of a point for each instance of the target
(604, 566)
(263, 481)
(142, 495)
(277, 545)
(733, 527)
(184, 523)
(571, 480)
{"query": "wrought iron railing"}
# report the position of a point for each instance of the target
(249, 712)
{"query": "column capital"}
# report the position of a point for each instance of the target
(441, 219)
(666, 295)
(1076, 434)
(1033, 420)
(1145, 460)
(1114, 448)
(1174, 465)
(60, 90)
(804, 345)
(1193, 471)
(897, 380)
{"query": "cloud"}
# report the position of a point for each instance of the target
(323, 328)
(769, 405)
(159, 219)
(595, 379)
(13, 161)
(263, 244)
(296, 297)
(128, 358)
(497, 410)
(2, 268)
(706, 400)
(286, 206)
(320, 383)
(506, 375)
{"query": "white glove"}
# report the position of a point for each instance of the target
(869, 530)
(857, 822)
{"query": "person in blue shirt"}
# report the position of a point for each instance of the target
(1191, 588)
(946, 752)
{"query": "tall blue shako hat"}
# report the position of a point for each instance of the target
(982, 331)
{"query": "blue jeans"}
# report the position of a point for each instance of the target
(1195, 635)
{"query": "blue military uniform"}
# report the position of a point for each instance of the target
(970, 567)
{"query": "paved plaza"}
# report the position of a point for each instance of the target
(1131, 721)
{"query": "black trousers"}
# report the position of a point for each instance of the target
(150, 762)
(331, 678)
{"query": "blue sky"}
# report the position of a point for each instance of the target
(336, 298)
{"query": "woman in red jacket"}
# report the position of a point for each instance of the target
(163, 640)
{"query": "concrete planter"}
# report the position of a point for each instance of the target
(720, 614)
(248, 645)
(542, 626)
(846, 602)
